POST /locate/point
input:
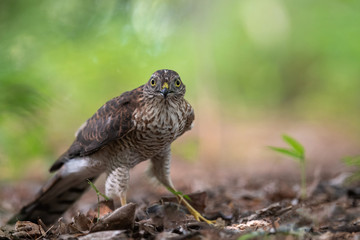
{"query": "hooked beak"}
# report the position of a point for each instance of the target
(165, 90)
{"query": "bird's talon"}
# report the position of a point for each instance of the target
(199, 217)
(196, 214)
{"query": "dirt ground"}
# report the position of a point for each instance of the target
(243, 205)
(257, 198)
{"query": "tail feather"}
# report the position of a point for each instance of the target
(57, 195)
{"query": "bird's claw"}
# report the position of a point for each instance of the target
(196, 214)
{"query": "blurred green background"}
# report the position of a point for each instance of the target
(245, 59)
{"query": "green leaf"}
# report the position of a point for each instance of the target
(352, 161)
(287, 152)
(97, 191)
(187, 197)
(295, 144)
(172, 190)
(104, 196)
(92, 185)
(178, 193)
(298, 154)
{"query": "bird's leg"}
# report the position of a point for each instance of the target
(191, 209)
(119, 200)
(116, 185)
(123, 200)
(160, 168)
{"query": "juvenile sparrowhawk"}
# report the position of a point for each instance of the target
(138, 125)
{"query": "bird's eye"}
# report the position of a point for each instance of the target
(152, 82)
(177, 83)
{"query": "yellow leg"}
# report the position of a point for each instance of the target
(120, 201)
(192, 210)
(123, 200)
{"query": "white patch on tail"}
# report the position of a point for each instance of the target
(77, 165)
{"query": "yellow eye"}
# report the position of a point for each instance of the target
(152, 82)
(177, 83)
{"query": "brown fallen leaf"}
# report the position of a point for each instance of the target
(167, 215)
(121, 218)
(59, 228)
(104, 207)
(82, 222)
(273, 210)
(27, 229)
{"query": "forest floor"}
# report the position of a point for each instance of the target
(243, 205)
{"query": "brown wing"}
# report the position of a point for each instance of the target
(112, 121)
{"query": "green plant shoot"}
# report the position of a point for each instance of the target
(297, 153)
(178, 193)
(353, 162)
(98, 193)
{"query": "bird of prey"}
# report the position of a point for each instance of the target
(136, 126)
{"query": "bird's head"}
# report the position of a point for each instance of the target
(165, 84)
